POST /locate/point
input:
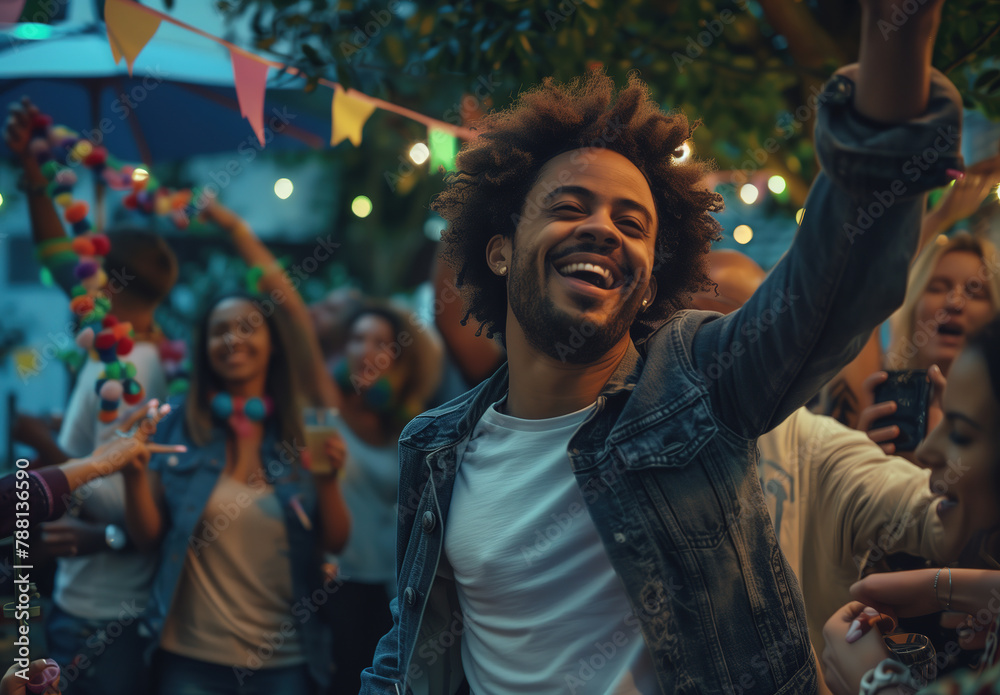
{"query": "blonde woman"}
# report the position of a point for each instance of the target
(953, 291)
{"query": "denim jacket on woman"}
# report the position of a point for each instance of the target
(188, 480)
(667, 463)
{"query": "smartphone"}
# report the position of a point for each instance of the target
(911, 389)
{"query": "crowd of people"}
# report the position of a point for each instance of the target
(618, 461)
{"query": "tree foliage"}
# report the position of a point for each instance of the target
(745, 67)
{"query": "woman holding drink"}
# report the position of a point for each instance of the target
(391, 367)
(238, 519)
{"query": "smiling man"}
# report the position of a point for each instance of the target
(589, 520)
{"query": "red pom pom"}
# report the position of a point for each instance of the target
(97, 157)
(133, 392)
(131, 201)
(125, 345)
(109, 321)
(81, 305)
(107, 416)
(76, 212)
(101, 244)
(40, 120)
(104, 340)
(84, 246)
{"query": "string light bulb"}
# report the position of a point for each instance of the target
(283, 188)
(742, 234)
(749, 193)
(361, 206)
(685, 153)
(419, 153)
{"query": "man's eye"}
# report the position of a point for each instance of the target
(631, 222)
(568, 208)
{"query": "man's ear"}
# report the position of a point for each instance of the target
(498, 254)
(650, 295)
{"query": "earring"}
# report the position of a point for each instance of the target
(502, 269)
(645, 302)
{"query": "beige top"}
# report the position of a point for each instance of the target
(234, 597)
(835, 497)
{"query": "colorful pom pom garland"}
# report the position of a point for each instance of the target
(56, 149)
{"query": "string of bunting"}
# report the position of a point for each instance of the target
(131, 26)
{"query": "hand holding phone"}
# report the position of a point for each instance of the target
(898, 419)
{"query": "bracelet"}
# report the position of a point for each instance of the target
(889, 672)
(936, 577)
(948, 606)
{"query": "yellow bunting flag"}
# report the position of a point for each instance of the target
(349, 117)
(129, 29)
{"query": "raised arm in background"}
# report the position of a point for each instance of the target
(477, 357)
(275, 283)
(45, 221)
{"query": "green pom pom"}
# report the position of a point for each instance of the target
(45, 275)
(77, 291)
(113, 370)
(130, 370)
(51, 168)
(178, 387)
(103, 302)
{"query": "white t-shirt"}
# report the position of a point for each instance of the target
(544, 611)
(101, 585)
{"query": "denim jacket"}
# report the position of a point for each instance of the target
(188, 480)
(667, 462)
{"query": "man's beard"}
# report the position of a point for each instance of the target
(555, 332)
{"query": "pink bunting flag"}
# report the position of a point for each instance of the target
(10, 11)
(250, 76)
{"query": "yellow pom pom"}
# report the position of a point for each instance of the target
(64, 200)
(81, 150)
(162, 205)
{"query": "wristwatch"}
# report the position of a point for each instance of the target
(114, 536)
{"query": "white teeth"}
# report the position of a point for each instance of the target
(588, 267)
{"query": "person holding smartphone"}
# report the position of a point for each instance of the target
(953, 291)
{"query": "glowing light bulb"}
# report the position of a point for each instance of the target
(776, 184)
(799, 215)
(742, 234)
(1, 200)
(685, 154)
(140, 174)
(283, 188)
(998, 190)
(749, 193)
(361, 206)
(419, 153)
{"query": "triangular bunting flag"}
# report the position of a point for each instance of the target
(129, 29)
(250, 76)
(10, 11)
(444, 147)
(349, 117)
